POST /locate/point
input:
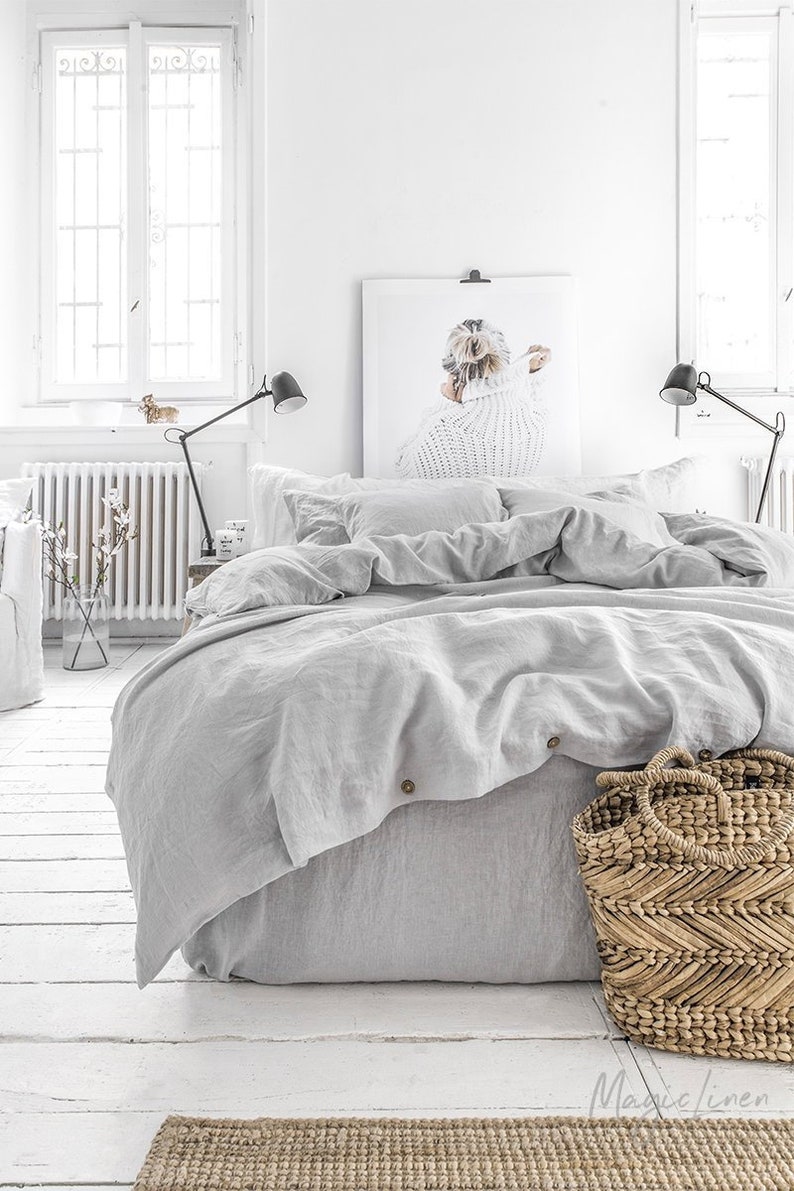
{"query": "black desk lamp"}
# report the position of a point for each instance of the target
(287, 398)
(681, 388)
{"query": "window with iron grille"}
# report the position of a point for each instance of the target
(139, 285)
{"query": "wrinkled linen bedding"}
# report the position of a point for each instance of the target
(318, 679)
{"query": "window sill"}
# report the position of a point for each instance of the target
(115, 422)
(70, 434)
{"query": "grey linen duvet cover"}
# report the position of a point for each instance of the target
(320, 679)
(484, 890)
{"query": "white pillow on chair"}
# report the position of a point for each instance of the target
(14, 495)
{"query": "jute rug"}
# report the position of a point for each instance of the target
(543, 1153)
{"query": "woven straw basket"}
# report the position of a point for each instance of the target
(690, 876)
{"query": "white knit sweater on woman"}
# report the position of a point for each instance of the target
(498, 428)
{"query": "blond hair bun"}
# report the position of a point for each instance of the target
(475, 348)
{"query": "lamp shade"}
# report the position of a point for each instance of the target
(287, 393)
(681, 386)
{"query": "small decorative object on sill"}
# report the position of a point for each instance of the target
(85, 614)
(153, 412)
(689, 872)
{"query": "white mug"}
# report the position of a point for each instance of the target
(225, 543)
(240, 528)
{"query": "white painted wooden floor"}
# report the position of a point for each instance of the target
(89, 1065)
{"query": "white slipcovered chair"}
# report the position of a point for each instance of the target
(21, 656)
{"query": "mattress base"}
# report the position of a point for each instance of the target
(485, 890)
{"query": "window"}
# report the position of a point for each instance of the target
(736, 311)
(139, 285)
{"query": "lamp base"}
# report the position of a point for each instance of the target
(207, 551)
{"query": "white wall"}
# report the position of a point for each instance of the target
(419, 138)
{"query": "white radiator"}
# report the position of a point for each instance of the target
(148, 579)
(779, 507)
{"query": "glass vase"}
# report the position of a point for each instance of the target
(86, 630)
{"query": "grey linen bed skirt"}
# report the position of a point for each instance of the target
(482, 890)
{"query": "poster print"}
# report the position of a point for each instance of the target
(471, 379)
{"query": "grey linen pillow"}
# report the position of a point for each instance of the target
(411, 511)
(316, 518)
(621, 510)
(334, 520)
(674, 488)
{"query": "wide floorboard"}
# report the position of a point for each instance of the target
(91, 1065)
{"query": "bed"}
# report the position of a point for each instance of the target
(363, 760)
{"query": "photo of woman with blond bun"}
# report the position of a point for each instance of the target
(465, 380)
(492, 417)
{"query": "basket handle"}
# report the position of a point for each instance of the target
(719, 857)
(673, 752)
(635, 777)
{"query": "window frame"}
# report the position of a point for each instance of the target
(226, 387)
(736, 15)
(180, 20)
(47, 230)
